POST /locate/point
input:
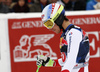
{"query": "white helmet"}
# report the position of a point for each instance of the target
(53, 13)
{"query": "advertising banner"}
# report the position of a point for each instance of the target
(29, 38)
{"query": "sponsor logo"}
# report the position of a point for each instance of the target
(27, 24)
(63, 42)
(70, 33)
(87, 20)
(94, 38)
(42, 16)
(69, 44)
(53, 6)
(56, 17)
(31, 46)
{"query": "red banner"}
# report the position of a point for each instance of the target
(29, 38)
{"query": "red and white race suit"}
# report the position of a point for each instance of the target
(74, 47)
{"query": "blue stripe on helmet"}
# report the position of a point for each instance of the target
(63, 12)
(49, 11)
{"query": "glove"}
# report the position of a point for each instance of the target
(44, 61)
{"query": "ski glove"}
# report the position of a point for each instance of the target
(44, 61)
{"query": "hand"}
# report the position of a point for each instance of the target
(39, 62)
(42, 60)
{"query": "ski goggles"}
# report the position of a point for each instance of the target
(50, 22)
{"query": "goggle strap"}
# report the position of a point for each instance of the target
(57, 14)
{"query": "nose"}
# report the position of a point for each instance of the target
(50, 29)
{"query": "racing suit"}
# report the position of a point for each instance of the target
(74, 47)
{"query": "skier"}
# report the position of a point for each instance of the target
(74, 42)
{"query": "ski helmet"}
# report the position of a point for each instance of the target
(53, 13)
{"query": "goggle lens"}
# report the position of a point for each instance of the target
(49, 24)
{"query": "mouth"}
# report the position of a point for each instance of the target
(54, 30)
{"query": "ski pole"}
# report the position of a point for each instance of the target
(38, 67)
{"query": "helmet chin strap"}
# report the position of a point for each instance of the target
(59, 22)
(61, 28)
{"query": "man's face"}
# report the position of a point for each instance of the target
(21, 2)
(66, 1)
(53, 1)
(56, 29)
(43, 1)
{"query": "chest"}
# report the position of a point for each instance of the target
(63, 44)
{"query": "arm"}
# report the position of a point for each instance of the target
(74, 38)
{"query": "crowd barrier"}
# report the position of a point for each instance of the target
(23, 37)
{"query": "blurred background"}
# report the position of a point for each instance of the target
(23, 36)
(18, 6)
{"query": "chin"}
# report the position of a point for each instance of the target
(57, 32)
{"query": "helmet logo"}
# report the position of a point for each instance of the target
(53, 6)
(42, 16)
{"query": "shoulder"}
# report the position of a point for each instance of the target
(4, 6)
(91, 2)
(74, 35)
(75, 30)
(90, 5)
